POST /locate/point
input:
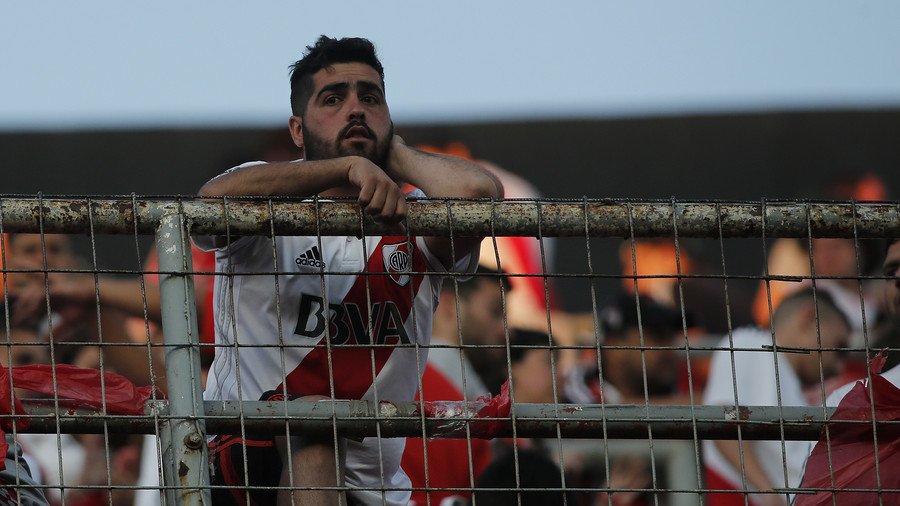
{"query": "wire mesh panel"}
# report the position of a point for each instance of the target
(296, 352)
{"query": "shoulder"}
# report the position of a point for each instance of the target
(744, 340)
(893, 375)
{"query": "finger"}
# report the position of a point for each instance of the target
(389, 209)
(376, 204)
(402, 208)
(366, 192)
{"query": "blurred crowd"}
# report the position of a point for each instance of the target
(505, 324)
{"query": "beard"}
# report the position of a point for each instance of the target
(317, 147)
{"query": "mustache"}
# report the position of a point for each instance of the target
(353, 124)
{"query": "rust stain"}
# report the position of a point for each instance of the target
(744, 413)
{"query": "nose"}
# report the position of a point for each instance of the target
(355, 110)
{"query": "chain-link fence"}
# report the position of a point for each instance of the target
(642, 399)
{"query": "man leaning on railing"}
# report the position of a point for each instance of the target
(323, 304)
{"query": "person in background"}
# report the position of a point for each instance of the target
(537, 478)
(745, 373)
(472, 321)
(637, 356)
(639, 366)
(838, 264)
(845, 463)
(534, 365)
(83, 307)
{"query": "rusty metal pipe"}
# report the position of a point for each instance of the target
(601, 218)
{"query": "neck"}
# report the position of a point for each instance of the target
(445, 333)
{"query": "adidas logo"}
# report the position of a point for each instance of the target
(312, 258)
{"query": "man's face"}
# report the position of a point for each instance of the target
(832, 333)
(532, 377)
(481, 315)
(346, 115)
(481, 323)
(662, 365)
(834, 257)
(27, 250)
(892, 284)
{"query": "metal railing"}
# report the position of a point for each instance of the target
(183, 420)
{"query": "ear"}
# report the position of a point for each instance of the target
(295, 126)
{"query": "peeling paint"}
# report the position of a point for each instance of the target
(550, 218)
(388, 409)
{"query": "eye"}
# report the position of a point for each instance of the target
(369, 99)
(332, 100)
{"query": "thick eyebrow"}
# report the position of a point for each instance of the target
(369, 86)
(328, 88)
(362, 85)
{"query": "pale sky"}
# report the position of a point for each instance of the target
(111, 64)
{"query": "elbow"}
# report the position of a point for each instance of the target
(487, 188)
(493, 189)
(498, 192)
(210, 189)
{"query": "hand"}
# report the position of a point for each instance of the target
(394, 164)
(379, 195)
(71, 295)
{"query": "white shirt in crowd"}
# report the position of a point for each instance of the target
(754, 375)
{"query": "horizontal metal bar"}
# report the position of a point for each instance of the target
(549, 218)
(358, 419)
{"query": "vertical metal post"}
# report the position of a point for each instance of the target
(186, 452)
(682, 474)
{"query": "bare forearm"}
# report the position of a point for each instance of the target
(752, 468)
(127, 296)
(130, 361)
(443, 175)
(300, 178)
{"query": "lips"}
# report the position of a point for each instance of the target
(357, 132)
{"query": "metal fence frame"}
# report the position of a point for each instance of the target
(183, 421)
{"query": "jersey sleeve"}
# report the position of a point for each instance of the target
(465, 265)
(220, 242)
(753, 372)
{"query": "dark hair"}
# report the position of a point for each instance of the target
(536, 471)
(482, 275)
(325, 53)
(824, 300)
(522, 341)
(622, 315)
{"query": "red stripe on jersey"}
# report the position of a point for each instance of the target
(353, 374)
(528, 251)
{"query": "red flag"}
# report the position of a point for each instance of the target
(86, 387)
(853, 448)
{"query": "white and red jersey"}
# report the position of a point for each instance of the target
(449, 376)
(278, 329)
